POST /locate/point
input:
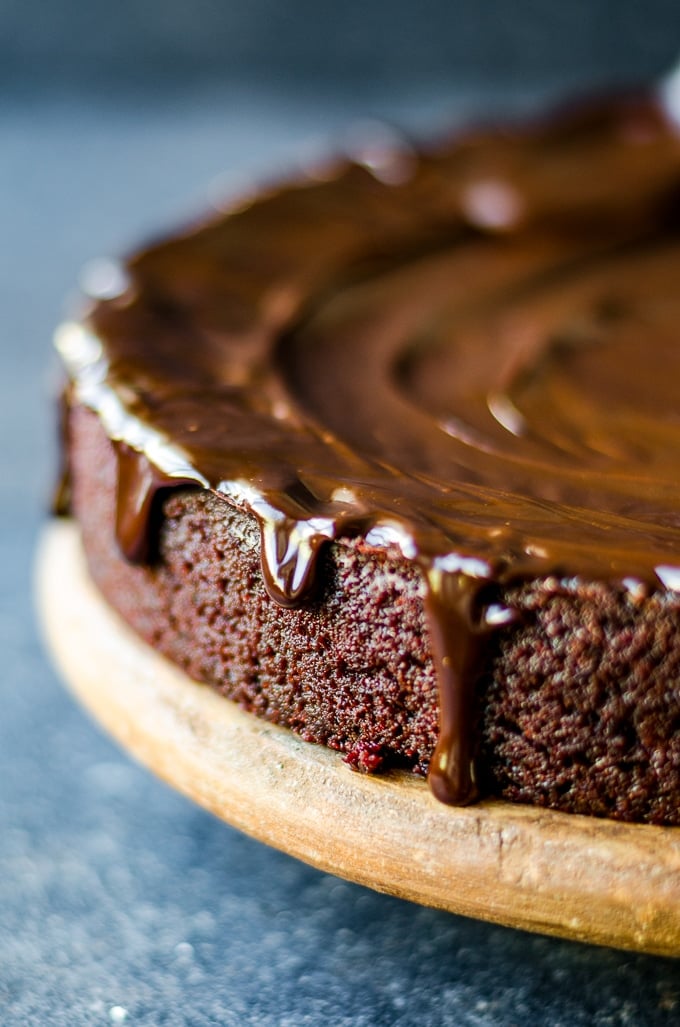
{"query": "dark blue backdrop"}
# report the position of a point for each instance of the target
(528, 42)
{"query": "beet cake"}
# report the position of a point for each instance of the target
(389, 456)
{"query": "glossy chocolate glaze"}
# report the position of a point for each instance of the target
(469, 355)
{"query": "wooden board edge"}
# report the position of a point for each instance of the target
(577, 877)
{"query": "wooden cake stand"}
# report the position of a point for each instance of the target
(578, 877)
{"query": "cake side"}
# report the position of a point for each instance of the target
(577, 706)
(349, 669)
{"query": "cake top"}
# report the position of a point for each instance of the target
(469, 353)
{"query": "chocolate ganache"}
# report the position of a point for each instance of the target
(468, 353)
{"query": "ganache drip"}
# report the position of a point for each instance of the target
(137, 486)
(473, 362)
(457, 658)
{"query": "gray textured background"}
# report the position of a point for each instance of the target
(390, 41)
(119, 901)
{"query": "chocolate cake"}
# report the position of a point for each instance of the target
(389, 456)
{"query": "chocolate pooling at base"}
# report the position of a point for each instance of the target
(473, 361)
